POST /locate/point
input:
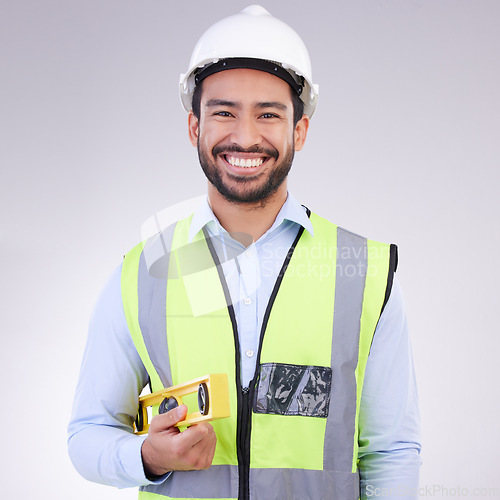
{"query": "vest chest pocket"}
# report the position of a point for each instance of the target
(298, 390)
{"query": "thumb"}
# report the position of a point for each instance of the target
(165, 421)
(175, 415)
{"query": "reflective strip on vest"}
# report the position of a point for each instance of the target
(219, 482)
(144, 301)
(152, 313)
(323, 315)
(131, 303)
(350, 285)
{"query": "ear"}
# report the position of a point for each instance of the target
(193, 128)
(300, 132)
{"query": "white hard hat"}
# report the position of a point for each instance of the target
(253, 38)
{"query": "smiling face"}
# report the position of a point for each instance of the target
(245, 135)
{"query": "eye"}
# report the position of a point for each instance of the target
(223, 113)
(269, 115)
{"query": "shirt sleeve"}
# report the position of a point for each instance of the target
(101, 442)
(389, 425)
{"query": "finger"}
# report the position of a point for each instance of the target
(206, 449)
(196, 434)
(200, 456)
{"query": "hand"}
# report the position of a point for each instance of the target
(167, 449)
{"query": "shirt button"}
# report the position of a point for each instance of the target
(249, 353)
(247, 301)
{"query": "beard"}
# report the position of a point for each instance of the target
(246, 189)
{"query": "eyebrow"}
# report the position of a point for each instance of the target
(221, 102)
(232, 104)
(272, 104)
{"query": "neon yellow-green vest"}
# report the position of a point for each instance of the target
(294, 433)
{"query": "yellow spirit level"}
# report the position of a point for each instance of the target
(213, 401)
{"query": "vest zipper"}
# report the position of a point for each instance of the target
(244, 423)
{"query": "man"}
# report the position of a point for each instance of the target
(304, 317)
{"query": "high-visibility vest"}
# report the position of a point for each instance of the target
(294, 433)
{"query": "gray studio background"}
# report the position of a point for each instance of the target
(404, 148)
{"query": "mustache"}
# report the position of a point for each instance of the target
(235, 148)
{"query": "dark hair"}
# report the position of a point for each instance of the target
(298, 104)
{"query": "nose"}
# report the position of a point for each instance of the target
(246, 132)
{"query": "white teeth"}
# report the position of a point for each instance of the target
(245, 163)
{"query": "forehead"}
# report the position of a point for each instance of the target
(246, 86)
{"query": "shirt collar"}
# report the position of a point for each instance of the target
(202, 216)
(291, 210)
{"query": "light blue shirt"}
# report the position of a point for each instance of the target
(102, 445)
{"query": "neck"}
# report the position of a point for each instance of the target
(247, 222)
